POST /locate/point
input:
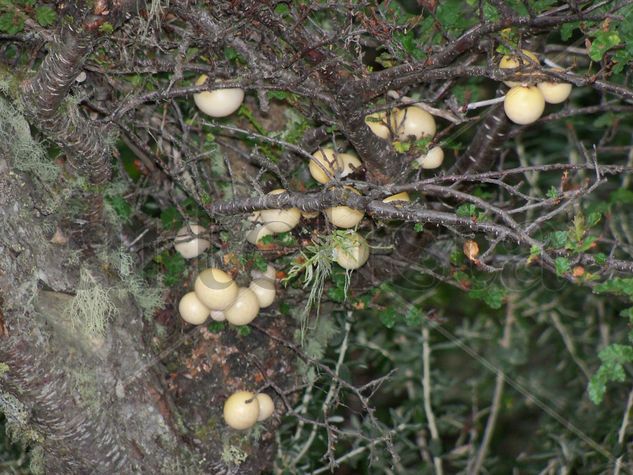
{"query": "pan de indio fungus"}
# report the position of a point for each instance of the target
(377, 123)
(241, 410)
(192, 310)
(265, 291)
(280, 220)
(190, 245)
(413, 122)
(404, 196)
(257, 234)
(215, 288)
(244, 309)
(514, 61)
(217, 315)
(524, 104)
(309, 214)
(270, 273)
(351, 251)
(349, 164)
(325, 159)
(344, 216)
(554, 92)
(432, 159)
(266, 406)
(219, 102)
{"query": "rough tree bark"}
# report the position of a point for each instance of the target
(105, 404)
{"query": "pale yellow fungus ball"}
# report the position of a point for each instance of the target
(241, 410)
(215, 289)
(244, 309)
(524, 104)
(219, 102)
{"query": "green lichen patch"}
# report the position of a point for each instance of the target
(92, 307)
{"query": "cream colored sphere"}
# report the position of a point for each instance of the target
(431, 159)
(377, 123)
(325, 159)
(413, 122)
(192, 310)
(265, 291)
(404, 196)
(215, 288)
(344, 216)
(258, 233)
(219, 102)
(524, 104)
(270, 273)
(351, 251)
(555, 92)
(266, 406)
(218, 315)
(241, 410)
(187, 244)
(244, 309)
(349, 164)
(280, 220)
(514, 61)
(309, 214)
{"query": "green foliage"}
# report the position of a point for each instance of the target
(617, 286)
(174, 266)
(613, 358)
(491, 294)
(45, 16)
(469, 210)
(603, 42)
(562, 266)
(106, 28)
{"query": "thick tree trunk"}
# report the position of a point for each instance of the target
(106, 404)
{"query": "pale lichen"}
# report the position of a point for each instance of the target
(92, 307)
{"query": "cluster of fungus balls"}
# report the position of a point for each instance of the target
(525, 102)
(402, 124)
(217, 295)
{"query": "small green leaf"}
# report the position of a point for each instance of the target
(466, 210)
(567, 29)
(492, 295)
(170, 218)
(106, 28)
(175, 267)
(600, 258)
(613, 358)
(11, 23)
(593, 219)
(558, 239)
(617, 286)
(121, 207)
(562, 266)
(244, 330)
(552, 193)
(215, 327)
(413, 317)
(388, 317)
(603, 42)
(45, 16)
